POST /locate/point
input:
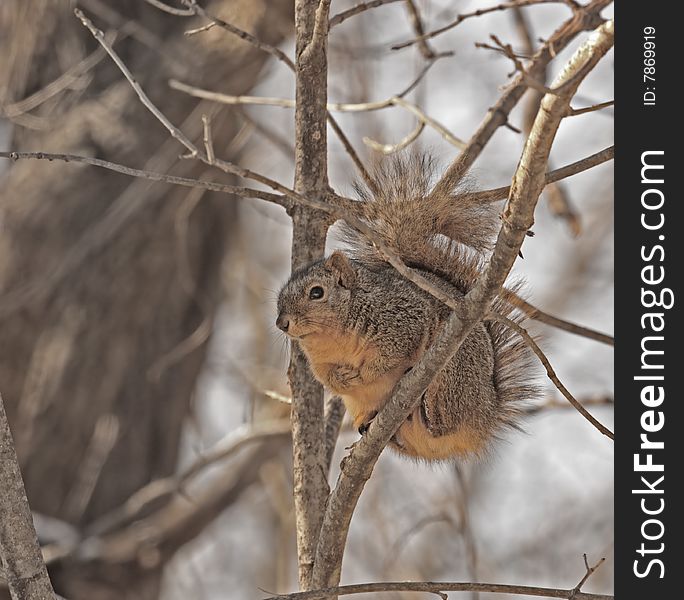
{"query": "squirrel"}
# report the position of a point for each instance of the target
(362, 325)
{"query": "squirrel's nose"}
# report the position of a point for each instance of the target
(283, 322)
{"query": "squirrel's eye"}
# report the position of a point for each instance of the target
(316, 292)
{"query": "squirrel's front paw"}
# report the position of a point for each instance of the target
(343, 376)
(364, 423)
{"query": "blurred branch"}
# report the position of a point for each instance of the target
(440, 589)
(355, 10)
(477, 13)
(400, 145)
(25, 571)
(179, 12)
(154, 491)
(66, 79)
(554, 404)
(150, 541)
(243, 192)
(196, 9)
(419, 29)
(336, 107)
(552, 374)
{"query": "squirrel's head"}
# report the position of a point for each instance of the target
(316, 297)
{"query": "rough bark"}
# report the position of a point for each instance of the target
(20, 557)
(309, 229)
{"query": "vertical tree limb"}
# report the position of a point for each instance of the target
(25, 570)
(308, 243)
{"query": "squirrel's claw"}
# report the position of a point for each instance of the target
(364, 426)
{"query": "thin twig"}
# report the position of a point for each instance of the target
(208, 142)
(176, 133)
(462, 17)
(179, 12)
(439, 588)
(419, 29)
(400, 145)
(331, 106)
(552, 374)
(538, 315)
(355, 10)
(554, 404)
(243, 192)
(573, 112)
(587, 575)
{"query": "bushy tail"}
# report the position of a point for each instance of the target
(515, 378)
(406, 214)
(445, 233)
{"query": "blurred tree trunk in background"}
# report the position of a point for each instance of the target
(108, 285)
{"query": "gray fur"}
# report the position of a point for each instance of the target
(483, 385)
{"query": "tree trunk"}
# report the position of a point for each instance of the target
(109, 285)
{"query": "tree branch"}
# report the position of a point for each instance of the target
(308, 243)
(25, 571)
(538, 315)
(476, 13)
(440, 589)
(355, 10)
(552, 374)
(501, 193)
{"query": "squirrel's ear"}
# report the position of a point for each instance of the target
(338, 263)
